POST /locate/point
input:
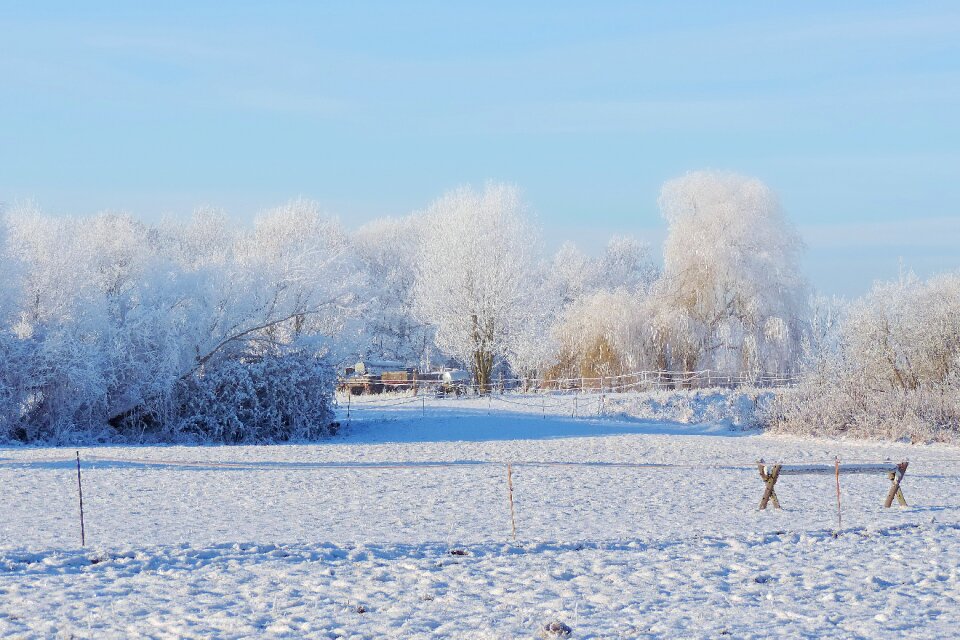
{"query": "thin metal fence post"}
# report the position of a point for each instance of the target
(83, 535)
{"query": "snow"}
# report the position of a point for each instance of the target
(626, 527)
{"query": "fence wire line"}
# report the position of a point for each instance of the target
(559, 393)
(549, 401)
(373, 404)
(670, 376)
(561, 399)
(268, 465)
(654, 378)
(539, 404)
(363, 406)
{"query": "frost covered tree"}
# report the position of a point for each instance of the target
(889, 367)
(626, 263)
(120, 322)
(13, 350)
(602, 321)
(64, 324)
(572, 274)
(299, 275)
(906, 333)
(388, 250)
(532, 348)
(581, 302)
(259, 296)
(477, 274)
(732, 295)
(10, 280)
(288, 276)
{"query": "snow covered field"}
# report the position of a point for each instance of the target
(400, 527)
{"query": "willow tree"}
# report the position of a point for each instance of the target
(476, 274)
(732, 296)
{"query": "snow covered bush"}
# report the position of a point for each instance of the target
(272, 397)
(891, 369)
(601, 323)
(114, 315)
(607, 333)
(737, 408)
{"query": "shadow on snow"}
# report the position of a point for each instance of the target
(478, 425)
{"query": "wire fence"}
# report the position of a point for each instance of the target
(577, 397)
(582, 404)
(79, 468)
(734, 465)
(615, 383)
(575, 406)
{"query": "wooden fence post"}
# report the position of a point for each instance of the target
(513, 515)
(837, 473)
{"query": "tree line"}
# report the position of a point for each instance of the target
(202, 329)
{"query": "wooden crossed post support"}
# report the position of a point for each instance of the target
(896, 477)
(770, 479)
(771, 473)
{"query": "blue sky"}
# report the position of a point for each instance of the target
(852, 113)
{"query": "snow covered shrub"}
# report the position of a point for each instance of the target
(891, 370)
(604, 334)
(111, 316)
(741, 408)
(16, 395)
(271, 397)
